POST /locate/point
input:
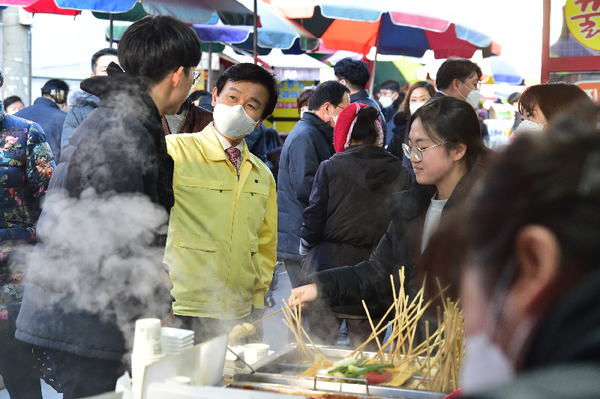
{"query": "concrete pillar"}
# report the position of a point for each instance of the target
(16, 56)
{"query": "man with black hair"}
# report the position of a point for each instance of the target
(84, 317)
(459, 78)
(47, 112)
(309, 143)
(222, 244)
(355, 75)
(83, 103)
(390, 99)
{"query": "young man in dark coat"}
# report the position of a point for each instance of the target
(99, 270)
(47, 112)
(309, 144)
(355, 75)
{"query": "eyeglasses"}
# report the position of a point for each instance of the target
(197, 76)
(416, 151)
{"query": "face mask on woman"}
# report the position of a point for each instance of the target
(529, 126)
(414, 107)
(485, 363)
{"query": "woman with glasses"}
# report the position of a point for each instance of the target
(445, 148)
(526, 258)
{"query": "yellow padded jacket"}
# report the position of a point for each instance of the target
(222, 239)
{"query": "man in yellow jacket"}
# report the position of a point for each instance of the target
(222, 240)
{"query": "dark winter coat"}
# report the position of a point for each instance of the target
(309, 144)
(257, 142)
(347, 215)
(83, 104)
(119, 149)
(563, 360)
(46, 113)
(400, 246)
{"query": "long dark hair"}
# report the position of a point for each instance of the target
(455, 121)
(364, 130)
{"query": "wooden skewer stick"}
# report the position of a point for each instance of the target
(267, 316)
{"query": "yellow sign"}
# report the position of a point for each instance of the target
(583, 20)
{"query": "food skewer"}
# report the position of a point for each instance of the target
(267, 316)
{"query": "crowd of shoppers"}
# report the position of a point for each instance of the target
(178, 206)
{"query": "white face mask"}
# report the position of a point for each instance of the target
(335, 118)
(385, 101)
(414, 107)
(529, 126)
(233, 122)
(473, 97)
(485, 364)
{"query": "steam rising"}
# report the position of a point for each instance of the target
(100, 256)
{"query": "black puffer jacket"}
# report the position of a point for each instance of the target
(370, 280)
(347, 215)
(563, 360)
(309, 144)
(73, 299)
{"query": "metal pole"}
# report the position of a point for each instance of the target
(111, 29)
(30, 72)
(209, 83)
(372, 81)
(255, 30)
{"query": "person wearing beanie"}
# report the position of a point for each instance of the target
(347, 214)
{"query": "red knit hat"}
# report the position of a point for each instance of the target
(345, 124)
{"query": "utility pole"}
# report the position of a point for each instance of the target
(16, 55)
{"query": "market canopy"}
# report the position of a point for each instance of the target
(356, 25)
(193, 11)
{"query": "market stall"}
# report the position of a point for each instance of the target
(571, 44)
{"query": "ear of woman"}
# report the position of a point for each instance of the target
(539, 258)
(459, 151)
(534, 289)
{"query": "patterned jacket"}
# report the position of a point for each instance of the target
(26, 165)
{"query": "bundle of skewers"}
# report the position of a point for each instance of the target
(431, 365)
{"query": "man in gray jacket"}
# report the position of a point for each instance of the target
(83, 103)
(309, 144)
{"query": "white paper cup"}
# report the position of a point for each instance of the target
(147, 341)
(254, 352)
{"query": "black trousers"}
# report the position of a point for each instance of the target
(294, 271)
(17, 363)
(80, 377)
(206, 328)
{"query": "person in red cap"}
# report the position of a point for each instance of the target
(347, 215)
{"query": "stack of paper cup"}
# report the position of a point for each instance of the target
(147, 349)
(175, 340)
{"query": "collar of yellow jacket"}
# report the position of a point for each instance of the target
(213, 150)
